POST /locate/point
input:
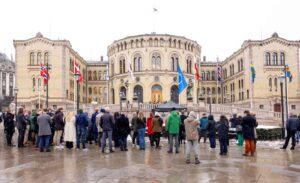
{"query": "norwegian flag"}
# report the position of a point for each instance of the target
(44, 73)
(219, 72)
(77, 71)
(197, 71)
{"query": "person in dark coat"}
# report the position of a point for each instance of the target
(9, 126)
(94, 126)
(59, 124)
(233, 121)
(223, 129)
(115, 134)
(21, 125)
(182, 129)
(211, 128)
(248, 124)
(107, 124)
(291, 128)
(81, 122)
(123, 130)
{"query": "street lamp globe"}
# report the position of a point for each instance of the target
(281, 78)
(16, 90)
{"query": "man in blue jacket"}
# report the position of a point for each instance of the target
(81, 124)
(291, 128)
(203, 128)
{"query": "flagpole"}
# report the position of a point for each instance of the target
(39, 88)
(286, 93)
(217, 79)
(251, 89)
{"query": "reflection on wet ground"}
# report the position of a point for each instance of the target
(67, 166)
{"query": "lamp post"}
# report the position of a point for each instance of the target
(16, 101)
(209, 96)
(121, 96)
(281, 79)
(77, 76)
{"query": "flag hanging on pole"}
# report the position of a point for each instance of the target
(130, 69)
(253, 73)
(44, 73)
(182, 84)
(288, 73)
(219, 72)
(197, 75)
(77, 71)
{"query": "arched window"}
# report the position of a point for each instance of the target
(189, 92)
(239, 66)
(90, 91)
(137, 62)
(123, 91)
(112, 68)
(267, 58)
(214, 100)
(39, 58)
(208, 75)
(31, 58)
(33, 84)
(208, 90)
(274, 59)
(99, 75)
(138, 91)
(203, 75)
(213, 75)
(219, 90)
(90, 75)
(270, 84)
(156, 94)
(122, 65)
(189, 65)
(39, 84)
(174, 94)
(275, 84)
(46, 58)
(282, 58)
(156, 61)
(232, 69)
(213, 90)
(95, 75)
(242, 64)
(100, 90)
(95, 90)
(150, 42)
(174, 62)
(203, 91)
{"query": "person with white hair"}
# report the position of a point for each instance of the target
(191, 124)
(70, 130)
(107, 124)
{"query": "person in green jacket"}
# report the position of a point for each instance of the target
(173, 129)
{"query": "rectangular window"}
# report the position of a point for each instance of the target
(293, 107)
(261, 106)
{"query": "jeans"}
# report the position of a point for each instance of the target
(123, 142)
(192, 144)
(95, 130)
(141, 132)
(103, 143)
(44, 141)
(99, 138)
(290, 134)
(9, 135)
(175, 137)
(212, 141)
(21, 137)
(297, 136)
(223, 146)
(156, 137)
(80, 133)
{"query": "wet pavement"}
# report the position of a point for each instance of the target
(270, 164)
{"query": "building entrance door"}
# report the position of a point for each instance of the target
(156, 94)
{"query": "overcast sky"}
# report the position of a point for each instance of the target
(219, 26)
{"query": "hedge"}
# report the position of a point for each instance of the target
(268, 134)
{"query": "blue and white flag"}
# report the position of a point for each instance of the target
(182, 84)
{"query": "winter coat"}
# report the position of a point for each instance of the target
(9, 123)
(191, 126)
(122, 125)
(149, 125)
(173, 123)
(134, 123)
(107, 122)
(292, 124)
(223, 129)
(248, 124)
(98, 117)
(181, 127)
(21, 122)
(141, 123)
(234, 122)
(82, 120)
(70, 131)
(58, 121)
(203, 123)
(44, 124)
(211, 128)
(33, 122)
(93, 119)
(157, 124)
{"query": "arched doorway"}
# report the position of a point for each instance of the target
(138, 90)
(156, 94)
(277, 107)
(174, 94)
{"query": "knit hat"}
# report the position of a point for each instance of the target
(193, 115)
(157, 114)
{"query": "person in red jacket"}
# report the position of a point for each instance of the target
(150, 130)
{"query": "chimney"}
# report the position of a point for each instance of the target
(204, 58)
(101, 58)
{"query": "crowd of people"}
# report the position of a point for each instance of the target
(46, 128)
